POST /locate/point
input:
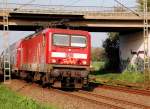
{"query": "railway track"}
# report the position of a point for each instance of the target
(127, 90)
(113, 101)
(103, 100)
(86, 98)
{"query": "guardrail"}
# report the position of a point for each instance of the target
(72, 10)
(67, 7)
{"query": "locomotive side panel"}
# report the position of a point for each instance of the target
(34, 53)
(15, 54)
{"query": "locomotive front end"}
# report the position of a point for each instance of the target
(69, 55)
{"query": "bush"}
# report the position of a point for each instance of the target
(131, 77)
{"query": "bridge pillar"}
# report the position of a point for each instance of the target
(132, 51)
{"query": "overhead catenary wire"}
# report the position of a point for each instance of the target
(26, 4)
(74, 2)
(134, 12)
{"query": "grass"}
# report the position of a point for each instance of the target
(98, 65)
(11, 100)
(109, 77)
(128, 77)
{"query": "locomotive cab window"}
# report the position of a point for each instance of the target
(78, 41)
(61, 40)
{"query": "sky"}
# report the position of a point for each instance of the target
(97, 38)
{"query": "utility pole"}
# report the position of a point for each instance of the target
(146, 45)
(6, 57)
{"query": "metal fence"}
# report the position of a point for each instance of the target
(72, 10)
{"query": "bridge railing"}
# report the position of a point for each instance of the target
(73, 10)
(60, 7)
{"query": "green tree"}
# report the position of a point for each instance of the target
(98, 54)
(111, 45)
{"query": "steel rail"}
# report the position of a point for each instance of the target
(115, 100)
(87, 99)
(126, 90)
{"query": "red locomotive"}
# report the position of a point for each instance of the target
(60, 57)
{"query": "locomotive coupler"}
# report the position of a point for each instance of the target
(68, 81)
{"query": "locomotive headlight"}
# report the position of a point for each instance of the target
(84, 62)
(54, 61)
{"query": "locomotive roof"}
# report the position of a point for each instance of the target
(56, 30)
(67, 30)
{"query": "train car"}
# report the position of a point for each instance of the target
(58, 57)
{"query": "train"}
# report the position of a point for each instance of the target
(58, 57)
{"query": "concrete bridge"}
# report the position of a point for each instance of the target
(94, 19)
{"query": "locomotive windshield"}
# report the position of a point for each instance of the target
(61, 40)
(78, 41)
(69, 40)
